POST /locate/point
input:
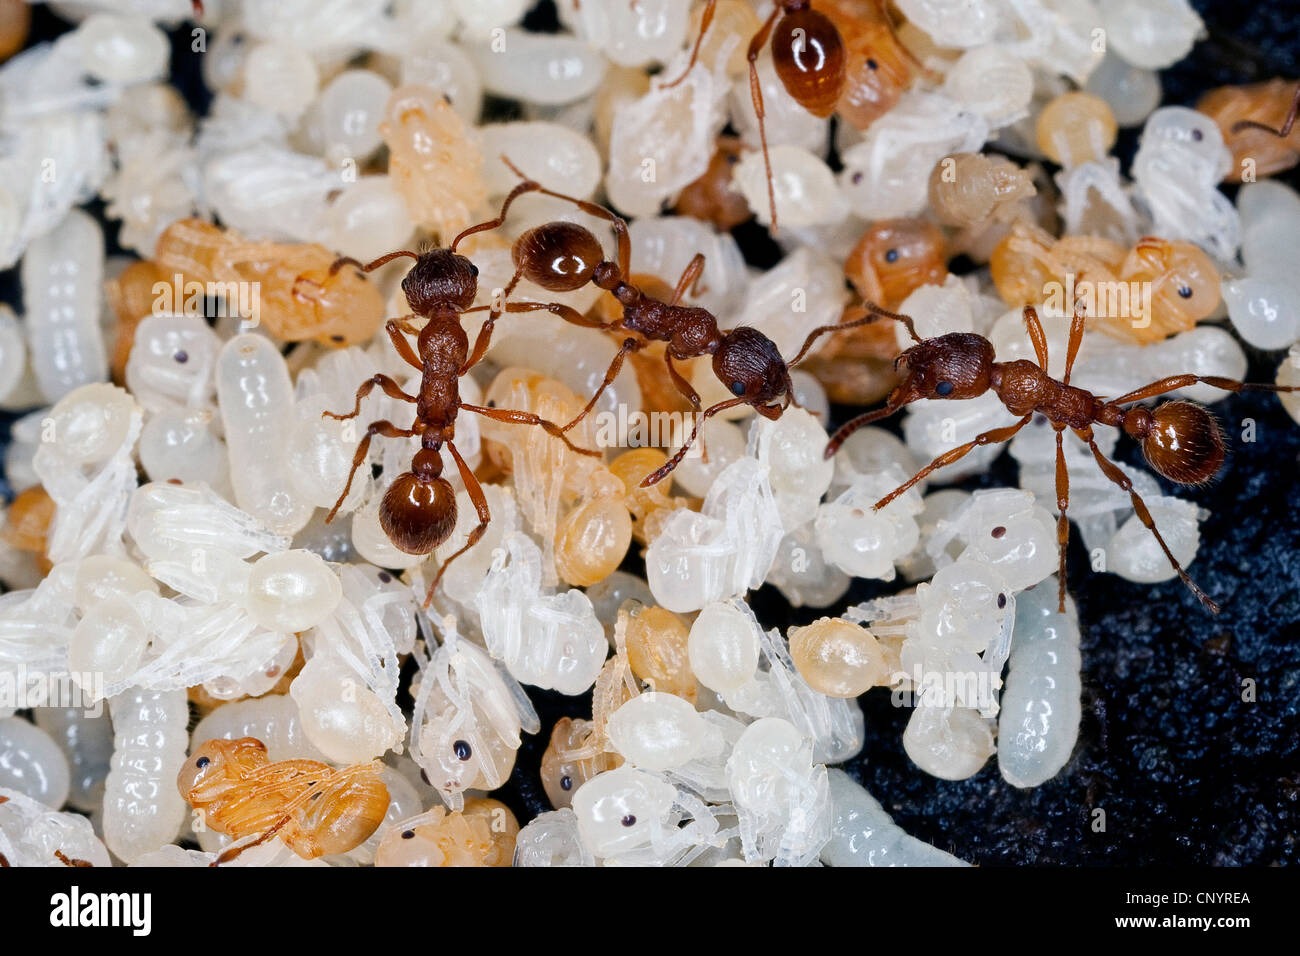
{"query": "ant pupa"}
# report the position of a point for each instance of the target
(1180, 439)
(418, 511)
(562, 256)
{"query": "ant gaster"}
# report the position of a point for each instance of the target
(418, 511)
(1180, 439)
(563, 256)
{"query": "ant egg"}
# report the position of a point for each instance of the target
(86, 740)
(481, 17)
(805, 188)
(657, 731)
(1038, 724)
(368, 219)
(110, 643)
(283, 79)
(348, 112)
(792, 448)
(292, 591)
(32, 763)
(273, 719)
(722, 647)
(348, 723)
(801, 292)
(444, 68)
(1076, 128)
(861, 541)
(1131, 92)
(62, 275)
(122, 49)
(802, 574)
(542, 69)
(863, 834)
(651, 31)
(548, 153)
(954, 23)
(1135, 555)
(838, 658)
(951, 743)
(592, 541)
(1153, 34)
(142, 810)
(180, 444)
(621, 810)
(256, 400)
(725, 443)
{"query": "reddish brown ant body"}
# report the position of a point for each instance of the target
(1180, 439)
(563, 256)
(418, 511)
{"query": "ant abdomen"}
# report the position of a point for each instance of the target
(808, 54)
(558, 256)
(418, 514)
(1183, 442)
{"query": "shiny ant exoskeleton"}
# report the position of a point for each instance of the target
(563, 256)
(418, 511)
(1180, 439)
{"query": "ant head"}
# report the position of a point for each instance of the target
(953, 366)
(418, 511)
(558, 256)
(1188, 281)
(440, 276)
(896, 256)
(748, 364)
(1181, 440)
(213, 760)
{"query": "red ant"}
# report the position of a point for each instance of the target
(811, 61)
(1180, 439)
(563, 256)
(418, 511)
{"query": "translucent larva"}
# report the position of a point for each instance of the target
(142, 809)
(863, 834)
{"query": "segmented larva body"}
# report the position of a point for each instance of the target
(272, 719)
(142, 809)
(1039, 721)
(862, 833)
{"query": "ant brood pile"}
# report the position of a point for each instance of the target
(384, 386)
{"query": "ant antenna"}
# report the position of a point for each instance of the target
(527, 186)
(340, 262)
(671, 463)
(1282, 133)
(874, 312)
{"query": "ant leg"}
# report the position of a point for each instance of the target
(849, 427)
(1036, 335)
(690, 279)
(1062, 522)
(658, 475)
(1076, 340)
(391, 389)
(1182, 381)
(621, 234)
(385, 428)
(1113, 472)
(395, 328)
(512, 417)
(230, 852)
(993, 436)
(565, 312)
(873, 313)
(688, 392)
(616, 366)
(475, 491)
(756, 97)
(705, 22)
(484, 337)
(527, 186)
(1289, 122)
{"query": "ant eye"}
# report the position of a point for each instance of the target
(891, 255)
(628, 821)
(202, 762)
(182, 356)
(473, 269)
(737, 388)
(943, 388)
(1185, 291)
(462, 750)
(1197, 135)
(872, 64)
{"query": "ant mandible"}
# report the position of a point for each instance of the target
(1180, 439)
(418, 511)
(562, 256)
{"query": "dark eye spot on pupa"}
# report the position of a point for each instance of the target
(408, 834)
(872, 64)
(202, 762)
(1002, 600)
(462, 750)
(628, 821)
(999, 531)
(566, 783)
(891, 255)
(1185, 291)
(181, 356)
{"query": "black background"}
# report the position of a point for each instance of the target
(1186, 772)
